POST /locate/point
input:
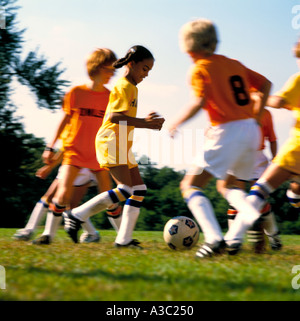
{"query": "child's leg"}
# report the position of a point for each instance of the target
(61, 199)
(249, 211)
(201, 207)
(131, 209)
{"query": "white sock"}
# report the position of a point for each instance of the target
(38, 213)
(203, 212)
(115, 222)
(129, 219)
(88, 227)
(294, 199)
(269, 224)
(131, 211)
(101, 202)
(247, 215)
(52, 224)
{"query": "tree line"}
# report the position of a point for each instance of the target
(21, 152)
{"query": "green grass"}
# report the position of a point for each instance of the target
(65, 271)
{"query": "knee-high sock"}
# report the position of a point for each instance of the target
(114, 215)
(269, 222)
(248, 209)
(39, 212)
(101, 202)
(231, 214)
(54, 219)
(203, 212)
(88, 226)
(294, 199)
(131, 211)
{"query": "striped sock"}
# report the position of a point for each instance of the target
(130, 214)
(102, 201)
(203, 212)
(54, 219)
(293, 198)
(259, 193)
(231, 214)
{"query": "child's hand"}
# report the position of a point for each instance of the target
(43, 172)
(172, 130)
(154, 121)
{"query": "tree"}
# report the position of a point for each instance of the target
(20, 151)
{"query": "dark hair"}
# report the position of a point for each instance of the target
(136, 54)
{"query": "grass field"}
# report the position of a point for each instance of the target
(67, 272)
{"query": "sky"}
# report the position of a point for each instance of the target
(259, 33)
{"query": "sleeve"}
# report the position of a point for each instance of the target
(197, 82)
(120, 98)
(256, 80)
(291, 91)
(68, 103)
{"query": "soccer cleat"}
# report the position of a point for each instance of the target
(42, 240)
(23, 235)
(275, 242)
(72, 225)
(209, 250)
(90, 238)
(233, 248)
(134, 244)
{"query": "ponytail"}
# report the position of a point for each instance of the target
(136, 54)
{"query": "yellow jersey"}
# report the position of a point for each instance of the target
(289, 155)
(114, 141)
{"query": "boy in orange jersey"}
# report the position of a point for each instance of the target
(84, 107)
(285, 166)
(222, 87)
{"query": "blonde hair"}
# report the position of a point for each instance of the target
(198, 35)
(101, 57)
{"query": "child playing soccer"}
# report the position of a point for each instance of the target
(84, 107)
(113, 145)
(267, 225)
(286, 164)
(222, 87)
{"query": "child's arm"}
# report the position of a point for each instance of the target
(260, 104)
(277, 102)
(192, 109)
(44, 171)
(48, 155)
(152, 121)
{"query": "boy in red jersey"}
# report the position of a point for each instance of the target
(222, 87)
(84, 107)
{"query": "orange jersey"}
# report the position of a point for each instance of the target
(225, 84)
(86, 108)
(267, 129)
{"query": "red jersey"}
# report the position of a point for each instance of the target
(86, 108)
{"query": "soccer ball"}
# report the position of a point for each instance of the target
(181, 233)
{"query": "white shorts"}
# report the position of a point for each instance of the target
(261, 163)
(84, 177)
(229, 149)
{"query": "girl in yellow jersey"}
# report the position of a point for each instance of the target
(222, 87)
(113, 146)
(286, 164)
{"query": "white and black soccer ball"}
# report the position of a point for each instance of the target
(181, 233)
